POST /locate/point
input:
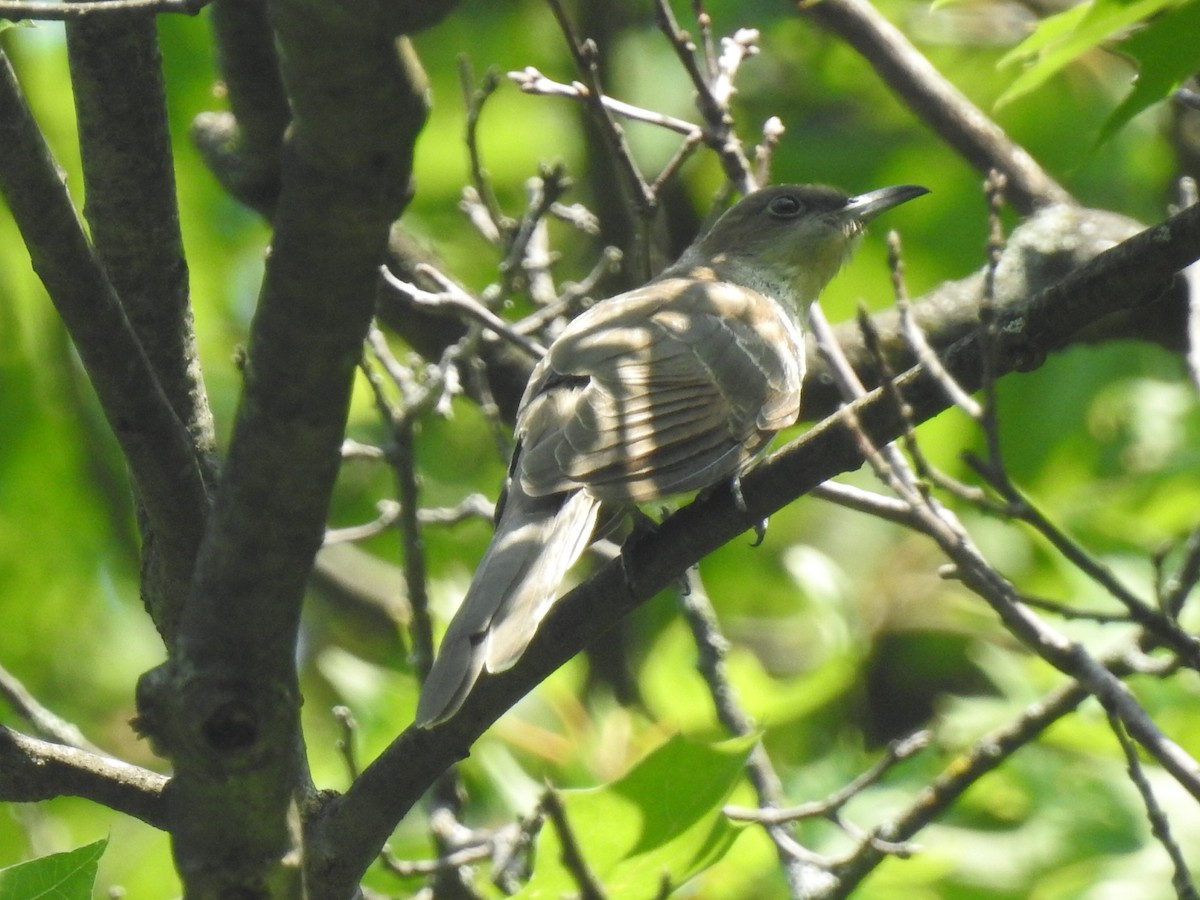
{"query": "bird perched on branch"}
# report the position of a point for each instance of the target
(666, 389)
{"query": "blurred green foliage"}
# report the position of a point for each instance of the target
(840, 624)
(1159, 35)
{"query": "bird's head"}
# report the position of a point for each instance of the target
(788, 241)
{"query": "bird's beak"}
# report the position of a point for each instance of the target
(864, 207)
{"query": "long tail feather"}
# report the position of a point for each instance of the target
(537, 540)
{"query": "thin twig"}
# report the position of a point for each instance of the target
(734, 51)
(1070, 657)
(764, 152)
(994, 187)
(584, 53)
(481, 218)
(573, 860)
(1160, 825)
(915, 337)
(929, 95)
(415, 574)
(896, 752)
(925, 470)
(713, 92)
(527, 252)
(510, 851)
(851, 388)
(1155, 622)
(1175, 589)
(352, 449)
(572, 296)
(389, 513)
(476, 97)
(675, 163)
(346, 742)
(881, 506)
(410, 868)
(532, 81)
(712, 646)
(984, 756)
(1065, 611)
(704, 24)
(473, 506)
(577, 216)
(44, 722)
(452, 296)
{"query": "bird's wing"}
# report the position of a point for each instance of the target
(662, 390)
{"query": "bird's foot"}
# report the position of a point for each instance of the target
(640, 524)
(739, 500)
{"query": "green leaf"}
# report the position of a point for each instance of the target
(662, 820)
(59, 876)
(1167, 53)
(1062, 38)
(1049, 31)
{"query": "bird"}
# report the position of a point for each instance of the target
(670, 388)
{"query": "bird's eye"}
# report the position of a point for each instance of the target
(785, 207)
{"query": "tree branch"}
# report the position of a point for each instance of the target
(133, 218)
(167, 470)
(1041, 252)
(244, 145)
(226, 706)
(33, 770)
(44, 721)
(932, 98)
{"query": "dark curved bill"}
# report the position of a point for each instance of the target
(865, 207)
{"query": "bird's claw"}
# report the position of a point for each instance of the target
(739, 500)
(760, 532)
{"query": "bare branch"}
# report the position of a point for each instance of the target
(584, 53)
(916, 336)
(168, 469)
(573, 295)
(33, 770)
(346, 742)
(531, 81)
(483, 194)
(714, 91)
(1070, 657)
(984, 756)
(712, 646)
(589, 886)
(454, 297)
(389, 512)
(45, 722)
(897, 751)
(1156, 623)
(960, 123)
(226, 705)
(1160, 826)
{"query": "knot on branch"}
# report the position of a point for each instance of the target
(211, 719)
(232, 727)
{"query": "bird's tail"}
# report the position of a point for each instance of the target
(537, 540)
